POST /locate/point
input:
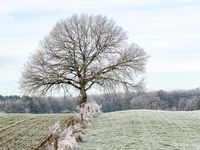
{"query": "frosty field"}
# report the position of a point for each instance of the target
(144, 130)
(133, 130)
(25, 131)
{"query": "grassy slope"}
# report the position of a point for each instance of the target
(144, 129)
(25, 131)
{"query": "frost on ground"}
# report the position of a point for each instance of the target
(67, 138)
(144, 129)
(25, 131)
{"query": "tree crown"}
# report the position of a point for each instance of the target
(82, 52)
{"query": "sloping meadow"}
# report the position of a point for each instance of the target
(144, 129)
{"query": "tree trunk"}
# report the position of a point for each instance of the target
(83, 100)
(83, 96)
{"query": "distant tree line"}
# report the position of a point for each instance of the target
(25, 104)
(157, 100)
(162, 100)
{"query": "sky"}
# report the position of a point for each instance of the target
(168, 30)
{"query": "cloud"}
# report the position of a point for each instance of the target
(168, 30)
(10, 6)
(17, 46)
(172, 80)
(173, 66)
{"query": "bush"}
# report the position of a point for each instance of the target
(67, 139)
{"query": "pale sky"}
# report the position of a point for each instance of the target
(169, 31)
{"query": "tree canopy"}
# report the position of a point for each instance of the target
(81, 52)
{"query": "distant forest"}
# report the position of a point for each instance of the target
(157, 100)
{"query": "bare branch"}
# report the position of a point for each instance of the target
(83, 51)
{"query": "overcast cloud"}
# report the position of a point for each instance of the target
(168, 31)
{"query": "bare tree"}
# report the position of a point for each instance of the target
(81, 52)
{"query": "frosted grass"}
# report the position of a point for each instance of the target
(144, 129)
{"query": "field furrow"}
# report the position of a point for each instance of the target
(25, 131)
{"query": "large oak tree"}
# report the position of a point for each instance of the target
(83, 52)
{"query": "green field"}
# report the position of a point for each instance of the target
(144, 130)
(25, 131)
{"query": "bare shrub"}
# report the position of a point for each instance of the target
(89, 111)
(68, 138)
